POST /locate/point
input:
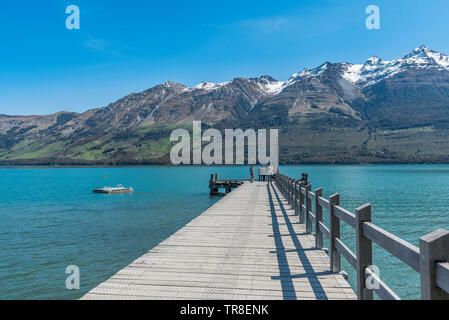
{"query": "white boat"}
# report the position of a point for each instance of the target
(118, 189)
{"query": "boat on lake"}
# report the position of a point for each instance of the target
(118, 189)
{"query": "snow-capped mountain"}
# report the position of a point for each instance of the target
(375, 69)
(407, 92)
(371, 72)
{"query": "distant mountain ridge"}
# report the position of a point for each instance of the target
(379, 111)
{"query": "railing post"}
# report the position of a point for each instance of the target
(364, 252)
(297, 201)
(294, 192)
(291, 191)
(334, 222)
(433, 247)
(301, 202)
(308, 208)
(318, 219)
(288, 190)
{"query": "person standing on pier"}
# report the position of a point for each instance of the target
(251, 172)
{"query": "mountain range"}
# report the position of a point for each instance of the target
(378, 112)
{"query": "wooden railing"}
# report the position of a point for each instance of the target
(430, 259)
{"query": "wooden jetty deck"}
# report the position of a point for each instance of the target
(249, 245)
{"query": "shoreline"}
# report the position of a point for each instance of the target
(212, 166)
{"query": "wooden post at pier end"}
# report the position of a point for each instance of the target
(305, 178)
(212, 184)
(433, 248)
(364, 252)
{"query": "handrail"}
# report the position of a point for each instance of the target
(323, 202)
(324, 230)
(345, 215)
(430, 260)
(346, 252)
(399, 248)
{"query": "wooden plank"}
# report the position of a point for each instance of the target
(399, 248)
(248, 245)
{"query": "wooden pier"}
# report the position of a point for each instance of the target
(249, 245)
(265, 241)
(227, 185)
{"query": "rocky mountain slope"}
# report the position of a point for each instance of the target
(379, 111)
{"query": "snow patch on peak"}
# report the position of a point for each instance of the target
(373, 61)
(319, 70)
(419, 52)
(425, 56)
(352, 72)
(307, 73)
(209, 86)
(441, 59)
(269, 85)
(273, 87)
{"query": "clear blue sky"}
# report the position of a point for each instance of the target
(129, 46)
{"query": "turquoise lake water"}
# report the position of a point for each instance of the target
(49, 217)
